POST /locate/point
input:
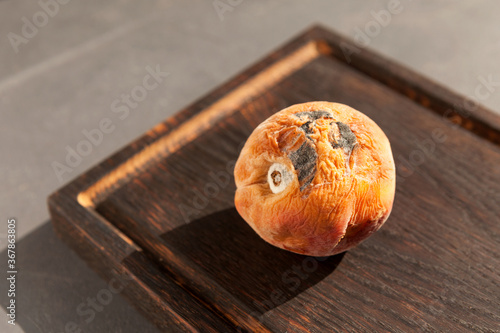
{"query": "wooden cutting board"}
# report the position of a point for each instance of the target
(159, 214)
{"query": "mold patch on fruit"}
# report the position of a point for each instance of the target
(304, 162)
(342, 137)
(346, 138)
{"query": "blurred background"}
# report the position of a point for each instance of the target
(65, 65)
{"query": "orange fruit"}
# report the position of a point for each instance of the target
(315, 178)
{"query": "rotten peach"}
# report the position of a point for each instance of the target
(315, 178)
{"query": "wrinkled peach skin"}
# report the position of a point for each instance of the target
(315, 178)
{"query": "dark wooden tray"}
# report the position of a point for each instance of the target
(160, 212)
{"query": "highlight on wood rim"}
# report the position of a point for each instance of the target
(194, 126)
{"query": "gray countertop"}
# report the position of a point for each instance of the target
(67, 66)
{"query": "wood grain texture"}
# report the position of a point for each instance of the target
(161, 211)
